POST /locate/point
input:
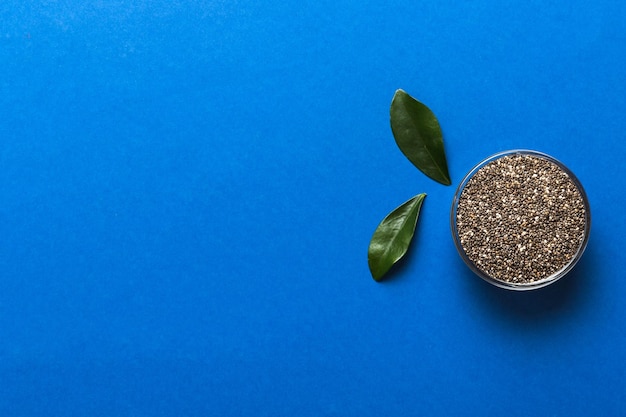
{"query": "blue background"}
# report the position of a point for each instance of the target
(188, 190)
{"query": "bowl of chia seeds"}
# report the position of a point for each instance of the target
(520, 220)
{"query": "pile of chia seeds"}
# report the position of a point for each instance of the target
(521, 219)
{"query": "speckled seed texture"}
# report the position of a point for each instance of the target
(521, 219)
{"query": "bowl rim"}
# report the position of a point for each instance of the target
(535, 284)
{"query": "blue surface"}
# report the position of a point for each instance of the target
(189, 189)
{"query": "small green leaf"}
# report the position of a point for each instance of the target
(418, 136)
(393, 236)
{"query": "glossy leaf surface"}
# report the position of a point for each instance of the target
(393, 236)
(418, 135)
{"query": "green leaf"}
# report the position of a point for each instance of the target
(393, 236)
(418, 136)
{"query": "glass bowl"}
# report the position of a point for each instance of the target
(519, 262)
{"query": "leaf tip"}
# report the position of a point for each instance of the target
(399, 92)
(375, 270)
(377, 278)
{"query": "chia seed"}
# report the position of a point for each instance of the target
(521, 219)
